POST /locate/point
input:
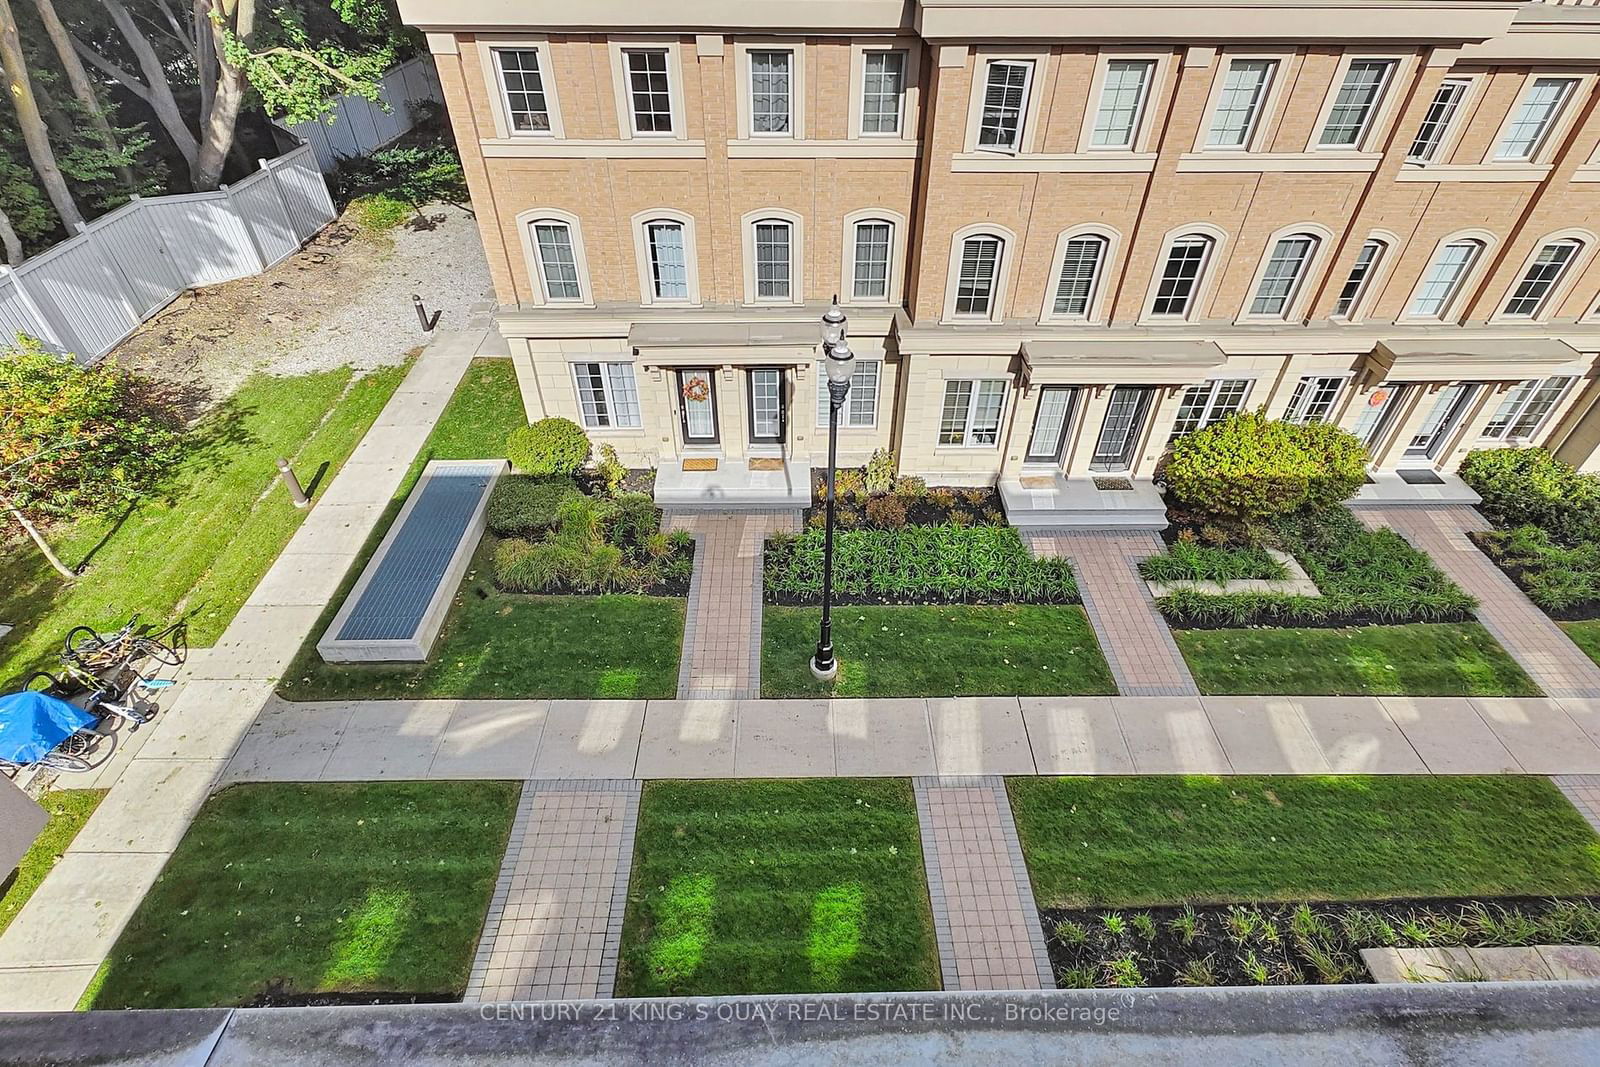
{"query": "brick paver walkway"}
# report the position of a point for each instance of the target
(722, 629)
(1137, 643)
(1539, 645)
(983, 911)
(554, 926)
(1584, 792)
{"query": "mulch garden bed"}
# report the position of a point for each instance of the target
(276, 996)
(1291, 944)
(1577, 613)
(935, 505)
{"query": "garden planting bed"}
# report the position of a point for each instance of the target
(1291, 944)
(904, 501)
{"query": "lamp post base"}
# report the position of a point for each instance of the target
(824, 673)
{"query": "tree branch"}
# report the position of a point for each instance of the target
(111, 70)
(332, 72)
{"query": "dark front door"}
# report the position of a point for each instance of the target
(1119, 434)
(697, 405)
(1050, 423)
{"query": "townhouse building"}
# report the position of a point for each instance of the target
(1064, 231)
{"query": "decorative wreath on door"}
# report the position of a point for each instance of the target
(696, 390)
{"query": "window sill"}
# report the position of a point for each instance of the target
(1060, 163)
(1480, 172)
(800, 148)
(1324, 162)
(571, 148)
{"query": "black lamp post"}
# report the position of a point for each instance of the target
(839, 365)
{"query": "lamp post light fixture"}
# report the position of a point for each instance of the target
(840, 363)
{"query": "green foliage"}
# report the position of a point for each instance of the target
(1529, 486)
(1560, 580)
(522, 506)
(77, 440)
(413, 174)
(296, 68)
(549, 447)
(594, 545)
(609, 467)
(1249, 468)
(919, 564)
(1187, 561)
(879, 476)
(909, 485)
(380, 212)
(887, 512)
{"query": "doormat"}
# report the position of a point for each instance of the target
(700, 464)
(1113, 485)
(1038, 481)
(1420, 478)
(766, 463)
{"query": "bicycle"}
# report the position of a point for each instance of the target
(85, 646)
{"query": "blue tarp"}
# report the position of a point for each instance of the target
(32, 724)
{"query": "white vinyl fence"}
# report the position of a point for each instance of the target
(355, 126)
(88, 293)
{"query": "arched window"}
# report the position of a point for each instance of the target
(668, 260)
(872, 241)
(1078, 276)
(1444, 278)
(1282, 275)
(1181, 274)
(1531, 295)
(1359, 280)
(978, 275)
(555, 253)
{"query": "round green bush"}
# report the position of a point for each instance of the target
(1529, 485)
(522, 506)
(1245, 468)
(1338, 463)
(548, 447)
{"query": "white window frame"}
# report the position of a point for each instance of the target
(1094, 313)
(797, 258)
(1450, 126)
(608, 395)
(909, 92)
(1371, 283)
(847, 415)
(622, 87)
(1518, 406)
(641, 251)
(1149, 104)
(1040, 76)
(1585, 243)
(1331, 413)
(1256, 134)
(1550, 134)
(1378, 117)
(1205, 280)
(1300, 292)
(972, 407)
(1455, 304)
(526, 221)
(498, 105)
(897, 256)
(796, 47)
(1028, 70)
(1208, 411)
(1002, 287)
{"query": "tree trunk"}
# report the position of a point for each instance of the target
(34, 134)
(155, 90)
(55, 120)
(38, 538)
(217, 127)
(78, 78)
(205, 57)
(10, 241)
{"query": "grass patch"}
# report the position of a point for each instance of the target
(370, 887)
(1122, 842)
(1414, 659)
(1586, 635)
(777, 887)
(69, 809)
(504, 645)
(936, 650)
(201, 548)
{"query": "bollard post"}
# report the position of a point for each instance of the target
(296, 494)
(426, 321)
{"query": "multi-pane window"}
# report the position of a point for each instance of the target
(1436, 123)
(1180, 276)
(523, 85)
(1355, 284)
(870, 272)
(1209, 402)
(1239, 104)
(1533, 291)
(1005, 99)
(1355, 103)
(772, 246)
(977, 275)
(607, 395)
(1443, 280)
(1282, 275)
(649, 90)
(861, 404)
(1525, 407)
(883, 88)
(1381, 404)
(558, 266)
(1540, 105)
(1080, 269)
(669, 269)
(971, 413)
(771, 92)
(1313, 398)
(1122, 97)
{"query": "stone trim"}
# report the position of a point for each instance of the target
(1298, 583)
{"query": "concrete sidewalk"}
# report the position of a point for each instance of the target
(52, 949)
(605, 739)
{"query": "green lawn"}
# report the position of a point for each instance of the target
(937, 650)
(1124, 842)
(199, 548)
(69, 809)
(1586, 635)
(376, 886)
(1414, 659)
(777, 887)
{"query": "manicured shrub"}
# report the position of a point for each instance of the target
(524, 507)
(879, 476)
(848, 484)
(610, 469)
(1248, 468)
(910, 486)
(886, 512)
(1530, 486)
(1338, 463)
(548, 447)
(918, 564)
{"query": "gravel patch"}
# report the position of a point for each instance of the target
(342, 300)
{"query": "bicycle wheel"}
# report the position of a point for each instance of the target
(43, 682)
(59, 761)
(82, 641)
(171, 652)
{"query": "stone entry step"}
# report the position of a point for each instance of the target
(1054, 500)
(686, 484)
